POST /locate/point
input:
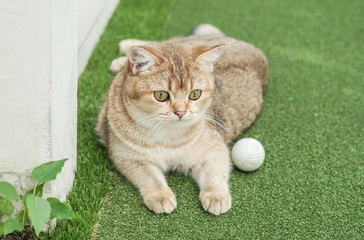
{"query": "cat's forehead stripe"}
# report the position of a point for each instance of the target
(178, 68)
(187, 83)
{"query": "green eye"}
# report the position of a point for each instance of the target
(161, 96)
(195, 94)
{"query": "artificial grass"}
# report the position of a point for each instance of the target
(311, 125)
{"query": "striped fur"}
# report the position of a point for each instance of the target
(146, 138)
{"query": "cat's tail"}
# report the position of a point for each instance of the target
(206, 29)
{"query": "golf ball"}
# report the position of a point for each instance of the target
(248, 154)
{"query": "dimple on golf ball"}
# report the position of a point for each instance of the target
(248, 154)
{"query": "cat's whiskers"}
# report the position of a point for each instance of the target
(141, 124)
(212, 118)
(210, 124)
(156, 127)
(145, 125)
(144, 120)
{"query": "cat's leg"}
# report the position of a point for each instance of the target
(101, 127)
(118, 64)
(212, 176)
(152, 185)
(127, 44)
(206, 29)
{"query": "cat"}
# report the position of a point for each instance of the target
(175, 106)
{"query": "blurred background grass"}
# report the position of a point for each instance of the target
(311, 125)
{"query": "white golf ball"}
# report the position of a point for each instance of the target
(248, 154)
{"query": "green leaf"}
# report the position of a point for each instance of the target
(26, 197)
(39, 211)
(47, 171)
(23, 217)
(60, 210)
(6, 207)
(8, 191)
(38, 192)
(12, 225)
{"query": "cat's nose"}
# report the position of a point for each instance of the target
(180, 114)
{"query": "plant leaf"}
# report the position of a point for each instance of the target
(39, 211)
(23, 217)
(6, 207)
(8, 191)
(47, 171)
(38, 192)
(12, 225)
(60, 210)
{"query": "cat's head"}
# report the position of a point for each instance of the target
(170, 84)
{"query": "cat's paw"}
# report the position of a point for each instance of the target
(127, 44)
(215, 201)
(118, 64)
(161, 201)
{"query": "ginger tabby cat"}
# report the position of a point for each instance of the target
(174, 105)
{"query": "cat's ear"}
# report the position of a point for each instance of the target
(206, 56)
(141, 60)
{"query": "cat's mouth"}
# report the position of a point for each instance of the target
(185, 120)
(174, 118)
(180, 120)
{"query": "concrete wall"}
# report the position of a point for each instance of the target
(93, 16)
(41, 42)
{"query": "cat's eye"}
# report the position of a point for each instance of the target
(161, 96)
(195, 94)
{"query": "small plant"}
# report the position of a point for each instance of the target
(36, 209)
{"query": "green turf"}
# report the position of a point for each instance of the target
(311, 125)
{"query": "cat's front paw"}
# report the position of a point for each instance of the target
(118, 64)
(215, 201)
(161, 201)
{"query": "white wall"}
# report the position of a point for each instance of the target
(38, 85)
(42, 45)
(63, 102)
(93, 15)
